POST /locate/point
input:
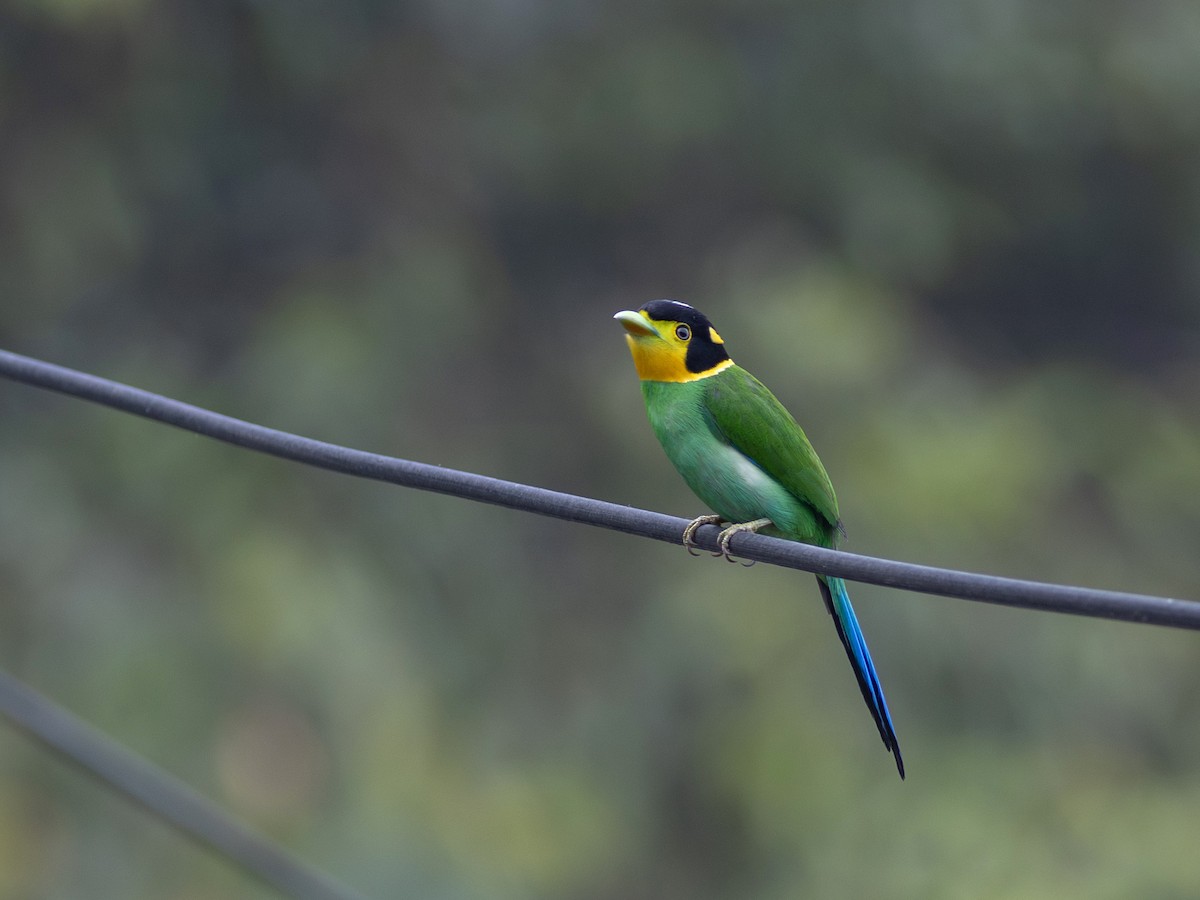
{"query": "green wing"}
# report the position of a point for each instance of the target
(753, 421)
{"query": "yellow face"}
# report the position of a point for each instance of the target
(682, 347)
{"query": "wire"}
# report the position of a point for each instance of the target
(192, 814)
(1069, 599)
(162, 794)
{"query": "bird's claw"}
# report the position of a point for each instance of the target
(723, 540)
(689, 533)
(689, 536)
(738, 528)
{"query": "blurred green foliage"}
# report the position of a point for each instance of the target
(960, 240)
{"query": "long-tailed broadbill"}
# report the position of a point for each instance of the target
(744, 455)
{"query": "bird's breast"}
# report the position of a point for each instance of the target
(727, 480)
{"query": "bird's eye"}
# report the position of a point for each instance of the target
(683, 332)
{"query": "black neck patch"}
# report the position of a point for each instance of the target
(703, 353)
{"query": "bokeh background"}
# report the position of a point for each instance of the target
(961, 240)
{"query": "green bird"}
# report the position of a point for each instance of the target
(744, 455)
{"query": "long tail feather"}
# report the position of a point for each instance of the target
(837, 601)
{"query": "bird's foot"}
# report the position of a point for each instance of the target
(689, 533)
(739, 528)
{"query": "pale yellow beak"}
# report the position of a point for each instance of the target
(635, 323)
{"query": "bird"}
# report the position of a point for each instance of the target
(743, 454)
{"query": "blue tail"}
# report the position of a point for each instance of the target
(837, 601)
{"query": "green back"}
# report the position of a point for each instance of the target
(759, 426)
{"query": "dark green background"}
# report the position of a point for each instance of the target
(959, 238)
